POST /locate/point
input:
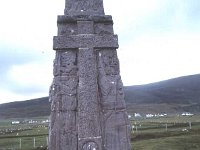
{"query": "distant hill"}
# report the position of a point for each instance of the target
(25, 109)
(170, 96)
(182, 90)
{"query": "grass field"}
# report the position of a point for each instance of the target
(23, 136)
(166, 133)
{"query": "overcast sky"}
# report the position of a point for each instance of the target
(159, 39)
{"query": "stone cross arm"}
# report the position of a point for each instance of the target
(85, 41)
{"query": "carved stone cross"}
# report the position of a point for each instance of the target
(87, 100)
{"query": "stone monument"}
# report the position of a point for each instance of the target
(88, 110)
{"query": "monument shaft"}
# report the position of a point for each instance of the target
(87, 100)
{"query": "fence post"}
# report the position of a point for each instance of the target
(136, 128)
(34, 142)
(132, 129)
(47, 140)
(190, 125)
(166, 126)
(20, 143)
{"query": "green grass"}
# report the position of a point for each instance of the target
(184, 142)
(24, 134)
(151, 134)
(27, 143)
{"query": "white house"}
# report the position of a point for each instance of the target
(15, 122)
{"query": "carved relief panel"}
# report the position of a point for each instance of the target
(63, 98)
(115, 124)
(65, 63)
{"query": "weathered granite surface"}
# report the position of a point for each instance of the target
(87, 100)
(84, 7)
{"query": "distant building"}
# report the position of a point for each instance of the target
(160, 115)
(137, 115)
(32, 121)
(187, 114)
(15, 122)
(149, 115)
(45, 121)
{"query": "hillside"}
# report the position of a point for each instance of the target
(171, 96)
(182, 90)
(23, 109)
